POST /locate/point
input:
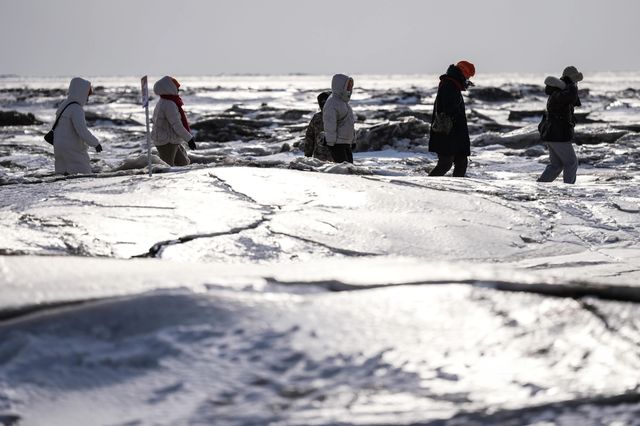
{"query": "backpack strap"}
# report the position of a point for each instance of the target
(60, 115)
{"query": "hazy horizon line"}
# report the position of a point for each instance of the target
(301, 74)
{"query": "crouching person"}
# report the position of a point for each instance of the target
(170, 124)
(314, 143)
(71, 137)
(338, 119)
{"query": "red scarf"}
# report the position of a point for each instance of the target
(458, 85)
(178, 101)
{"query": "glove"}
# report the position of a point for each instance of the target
(192, 143)
(98, 148)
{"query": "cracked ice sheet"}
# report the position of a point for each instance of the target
(309, 216)
(370, 216)
(382, 356)
(606, 265)
(116, 216)
(27, 281)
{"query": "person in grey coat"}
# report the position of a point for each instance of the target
(556, 128)
(338, 119)
(71, 135)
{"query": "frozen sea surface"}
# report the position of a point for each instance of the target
(260, 287)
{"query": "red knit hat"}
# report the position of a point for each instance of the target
(467, 68)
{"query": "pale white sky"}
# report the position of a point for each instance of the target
(190, 37)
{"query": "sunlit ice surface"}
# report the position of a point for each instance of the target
(259, 286)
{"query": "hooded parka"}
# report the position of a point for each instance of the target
(167, 122)
(337, 115)
(71, 135)
(560, 118)
(449, 100)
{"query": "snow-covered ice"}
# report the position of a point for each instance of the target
(260, 287)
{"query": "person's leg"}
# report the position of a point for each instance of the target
(554, 168)
(338, 153)
(569, 162)
(60, 163)
(444, 164)
(460, 163)
(167, 153)
(181, 158)
(349, 154)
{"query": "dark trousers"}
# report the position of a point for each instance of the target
(341, 152)
(173, 154)
(446, 161)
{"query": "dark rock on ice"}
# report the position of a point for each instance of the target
(15, 118)
(491, 94)
(401, 97)
(24, 94)
(535, 151)
(517, 139)
(386, 134)
(93, 119)
(198, 157)
(480, 123)
(224, 129)
(524, 114)
(524, 90)
(581, 117)
(474, 115)
(405, 113)
(237, 110)
(285, 147)
(103, 95)
(630, 127)
(266, 107)
(293, 114)
(596, 136)
(528, 136)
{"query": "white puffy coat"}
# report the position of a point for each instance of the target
(167, 123)
(337, 115)
(71, 136)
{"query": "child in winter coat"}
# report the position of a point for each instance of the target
(556, 128)
(170, 124)
(314, 145)
(338, 119)
(71, 136)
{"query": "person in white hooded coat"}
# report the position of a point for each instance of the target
(339, 122)
(71, 135)
(170, 125)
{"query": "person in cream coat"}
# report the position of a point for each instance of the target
(170, 125)
(71, 135)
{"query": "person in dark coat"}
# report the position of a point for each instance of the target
(453, 147)
(556, 128)
(314, 145)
